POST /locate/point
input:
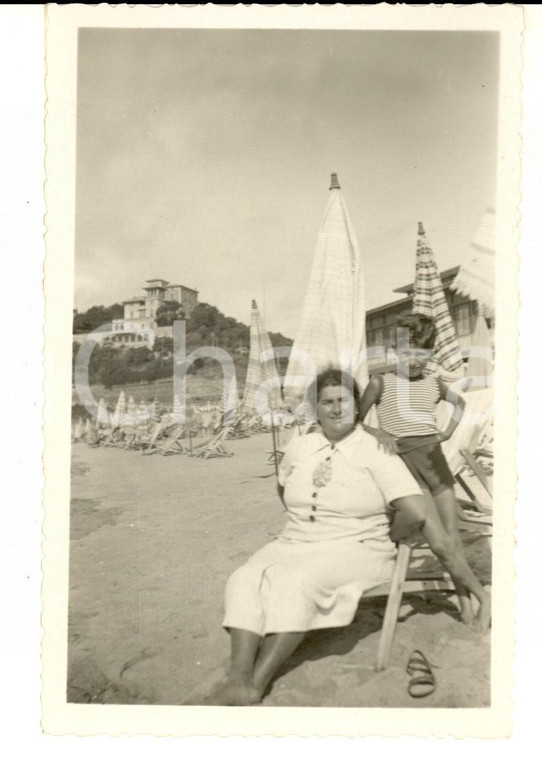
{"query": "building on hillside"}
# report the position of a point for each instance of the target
(380, 322)
(138, 326)
(139, 321)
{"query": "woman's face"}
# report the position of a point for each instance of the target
(336, 411)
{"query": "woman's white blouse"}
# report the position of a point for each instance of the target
(341, 490)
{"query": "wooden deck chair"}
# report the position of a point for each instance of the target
(156, 431)
(214, 447)
(113, 438)
(460, 449)
(403, 582)
(476, 468)
(170, 440)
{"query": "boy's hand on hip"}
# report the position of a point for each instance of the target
(386, 442)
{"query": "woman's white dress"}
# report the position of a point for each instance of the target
(335, 544)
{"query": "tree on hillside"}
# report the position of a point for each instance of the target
(163, 345)
(168, 312)
(96, 316)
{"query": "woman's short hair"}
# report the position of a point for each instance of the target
(332, 377)
(422, 332)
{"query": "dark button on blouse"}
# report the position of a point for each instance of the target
(315, 494)
(312, 518)
(332, 446)
(314, 507)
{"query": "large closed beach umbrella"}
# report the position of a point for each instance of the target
(429, 299)
(332, 326)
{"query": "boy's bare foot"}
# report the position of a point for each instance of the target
(482, 620)
(465, 609)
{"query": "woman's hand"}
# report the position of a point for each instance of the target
(385, 441)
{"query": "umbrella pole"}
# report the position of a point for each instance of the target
(274, 435)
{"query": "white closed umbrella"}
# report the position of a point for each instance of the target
(103, 418)
(117, 418)
(476, 276)
(480, 364)
(332, 326)
(262, 386)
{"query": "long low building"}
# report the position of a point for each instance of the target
(380, 322)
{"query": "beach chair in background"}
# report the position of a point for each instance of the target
(215, 447)
(166, 438)
(472, 435)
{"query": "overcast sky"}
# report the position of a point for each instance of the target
(204, 156)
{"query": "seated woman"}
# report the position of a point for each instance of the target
(340, 492)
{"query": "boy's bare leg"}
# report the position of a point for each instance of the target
(239, 688)
(443, 545)
(275, 650)
(447, 508)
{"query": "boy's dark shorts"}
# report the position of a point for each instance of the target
(425, 459)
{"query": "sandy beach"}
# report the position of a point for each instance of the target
(153, 540)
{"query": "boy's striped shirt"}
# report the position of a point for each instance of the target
(408, 407)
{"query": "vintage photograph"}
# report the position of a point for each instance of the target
(286, 273)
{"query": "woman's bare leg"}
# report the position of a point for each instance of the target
(239, 688)
(455, 562)
(275, 650)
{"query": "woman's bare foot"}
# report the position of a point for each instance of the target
(234, 692)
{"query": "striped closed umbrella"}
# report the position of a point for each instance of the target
(142, 414)
(262, 384)
(332, 326)
(130, 418)
(429, 299)
(178, 410)
(476, 276)
(157, 410)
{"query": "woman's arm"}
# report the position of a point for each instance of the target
(409, 514)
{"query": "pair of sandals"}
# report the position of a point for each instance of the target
(422, 683)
